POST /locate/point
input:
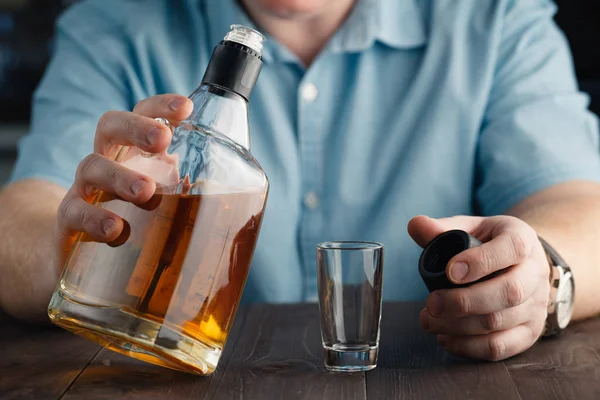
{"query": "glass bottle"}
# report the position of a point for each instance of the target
(167, 290)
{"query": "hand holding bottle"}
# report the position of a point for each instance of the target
(99, 171)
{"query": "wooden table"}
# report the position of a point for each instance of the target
(274, 352)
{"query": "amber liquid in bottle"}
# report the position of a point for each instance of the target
(173, 282)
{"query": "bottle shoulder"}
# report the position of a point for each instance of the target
(208, 155)
(203, 136)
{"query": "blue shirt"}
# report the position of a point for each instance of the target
(436, 107)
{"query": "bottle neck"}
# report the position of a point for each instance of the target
(223, 111)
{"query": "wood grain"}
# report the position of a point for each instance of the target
(280, 356)
(114, 376)
(39, 362)
(566, 367)
(412, 366)
(274, 352)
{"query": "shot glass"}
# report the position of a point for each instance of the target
(349, 280)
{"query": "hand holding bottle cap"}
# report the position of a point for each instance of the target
(435, 257)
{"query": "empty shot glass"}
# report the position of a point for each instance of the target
(349, 280)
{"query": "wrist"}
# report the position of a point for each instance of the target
(562, 292)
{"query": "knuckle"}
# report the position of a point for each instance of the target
(514, 292)
(496, 349)
(104, 120)
(86, 218)
(164, 100)
(113, 176)
(486, 260)
(463, 303)
(519, 246)
(493, 321)
(139, 105)
(64, 210)
(130, 126)
(72, 216)
(87, 165)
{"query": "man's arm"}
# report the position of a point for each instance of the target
(28, 266)
(568, 217)
(86, 77)
(537, 157)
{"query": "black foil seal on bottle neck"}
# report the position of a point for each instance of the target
(235, 67)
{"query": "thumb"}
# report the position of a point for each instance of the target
(423, 229)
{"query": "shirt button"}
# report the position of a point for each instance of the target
(311, 200)
(309, 92)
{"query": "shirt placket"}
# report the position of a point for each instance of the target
(309, 140)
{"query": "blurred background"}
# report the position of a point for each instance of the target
(26, 31)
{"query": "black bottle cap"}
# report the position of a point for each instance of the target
(235, 67)
(435, 257)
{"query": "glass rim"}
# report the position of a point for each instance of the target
(350, 245)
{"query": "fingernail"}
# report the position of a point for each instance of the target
(108, 225)
(459, 270)
(123, 236)
(434, 305)
(176, 104)
(153, 135)
(138, 186)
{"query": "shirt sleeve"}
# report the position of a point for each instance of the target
(537, 130)
(85, 78)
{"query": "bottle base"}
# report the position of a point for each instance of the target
(138, 337)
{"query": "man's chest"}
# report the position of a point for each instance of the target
(366, 119)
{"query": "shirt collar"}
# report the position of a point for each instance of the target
(395, 23)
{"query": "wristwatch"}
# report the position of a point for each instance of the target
(562, 292)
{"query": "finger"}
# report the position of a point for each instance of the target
(120, 128)
(507, 290)
(509, 248)
(494, 346)
(77, 215)
(170, 106)
(423, 229)
(481, 324)
(98, 172)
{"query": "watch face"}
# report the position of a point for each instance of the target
(564, 306)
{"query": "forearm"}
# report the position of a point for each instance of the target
(568, 217)
(28, 254)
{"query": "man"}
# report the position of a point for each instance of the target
(366, 114)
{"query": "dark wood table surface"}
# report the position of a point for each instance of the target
(274, 352)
